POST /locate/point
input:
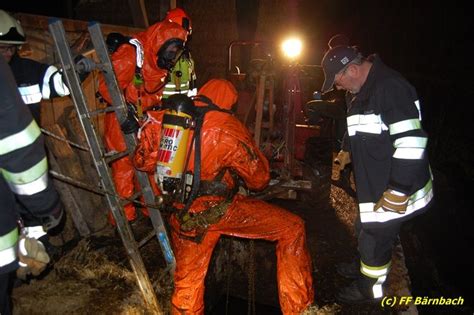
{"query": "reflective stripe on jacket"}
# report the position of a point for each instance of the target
(37, 81)
(182, 79)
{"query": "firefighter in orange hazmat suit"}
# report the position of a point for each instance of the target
(141, 67)
(227, 147)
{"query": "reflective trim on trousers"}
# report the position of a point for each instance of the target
(379, 273)
(416, 202)
(373, 271)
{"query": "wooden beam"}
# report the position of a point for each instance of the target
(139, 14)
(32, 21)
(70, 204)
(70, 164)
(259, 108)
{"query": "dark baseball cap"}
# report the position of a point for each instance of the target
(334, 60)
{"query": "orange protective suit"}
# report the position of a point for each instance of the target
(124, 63)
(227, 144)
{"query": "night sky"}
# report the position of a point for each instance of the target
(48, 7)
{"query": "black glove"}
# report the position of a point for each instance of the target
(83, 66)
(130, 124)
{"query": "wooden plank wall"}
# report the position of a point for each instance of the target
(40, 47)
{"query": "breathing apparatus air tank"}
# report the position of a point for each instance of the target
(172, 153)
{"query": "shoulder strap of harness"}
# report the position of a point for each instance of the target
(199, 120)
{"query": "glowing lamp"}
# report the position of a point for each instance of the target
(292, 48)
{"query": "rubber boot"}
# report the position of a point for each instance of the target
(358, 292)
(349, 270)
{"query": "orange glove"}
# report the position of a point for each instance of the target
(33, 257)
(392, 200)
(342, 159)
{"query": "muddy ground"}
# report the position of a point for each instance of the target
(94, 276)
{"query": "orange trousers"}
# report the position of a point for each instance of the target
(123, 172)
(252, 219)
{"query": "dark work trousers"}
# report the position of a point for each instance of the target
(375, 244)
(5, 308)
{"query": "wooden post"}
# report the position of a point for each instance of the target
(271, 110)
(72, 207)
(139, 14)
(70, 165)
(259, 108)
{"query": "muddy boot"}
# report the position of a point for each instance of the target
(358, 292)
(349, 270)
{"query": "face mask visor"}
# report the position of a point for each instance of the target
(170, 53)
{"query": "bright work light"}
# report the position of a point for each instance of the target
(292, 47)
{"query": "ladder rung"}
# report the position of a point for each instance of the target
(146, 238)
(133, 197)
(107, 109)
(115, 156)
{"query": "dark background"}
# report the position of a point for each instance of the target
(431, 44)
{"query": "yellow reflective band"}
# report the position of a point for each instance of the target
(31, 188)
(172, 85)
(422, 194)
(9, 239)
(20, 139)
(28, 175)
(374, 272)
(175, 92)
(404, 125)
(417, 201)
(410, 142)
